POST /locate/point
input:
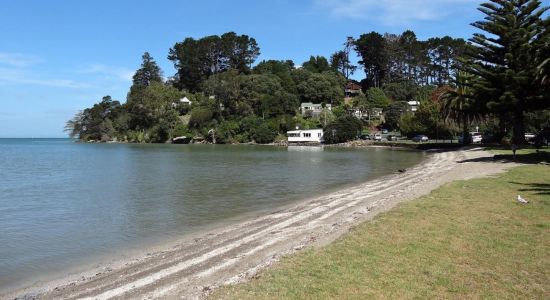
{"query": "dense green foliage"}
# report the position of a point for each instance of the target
(505, 63)
(218, 94)
(394, 58)
(342, 130)
(196, 60)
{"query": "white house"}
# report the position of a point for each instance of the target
(413, 105)
(185, 100)
(305, 136)
(313, 109)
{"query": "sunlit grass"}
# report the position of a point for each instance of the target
(467, 239)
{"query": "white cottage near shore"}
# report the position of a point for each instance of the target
(305, 136)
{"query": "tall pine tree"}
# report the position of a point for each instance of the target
(504, 60)
(148, 73)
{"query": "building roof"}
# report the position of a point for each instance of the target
(305, 130)
(315, 104)
(352, 86)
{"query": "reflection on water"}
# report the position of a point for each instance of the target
(305, 148)
(63, 202)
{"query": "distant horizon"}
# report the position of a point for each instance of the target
(35, 137)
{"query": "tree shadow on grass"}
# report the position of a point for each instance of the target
(537, 188)
(531, 158)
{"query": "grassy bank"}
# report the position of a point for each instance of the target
(467, 239)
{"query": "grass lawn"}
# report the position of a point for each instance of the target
(521, 151)
(467, 239)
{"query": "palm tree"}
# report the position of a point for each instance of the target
(459, 104)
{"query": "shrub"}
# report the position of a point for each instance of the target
(181, 130)
(342, 130)
(264, 135)
(200, 116)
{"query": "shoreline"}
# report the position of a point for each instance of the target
(194, 265)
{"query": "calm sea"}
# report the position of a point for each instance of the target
(64, 203)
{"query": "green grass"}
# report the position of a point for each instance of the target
(467, 239)
(522, 151)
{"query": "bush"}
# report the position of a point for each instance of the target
(200, 116)
(264, 135)
(226, 132)
(342, 130)
(393, 114)
(181, 130)
(135, 136)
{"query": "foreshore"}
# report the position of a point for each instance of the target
(192, 267)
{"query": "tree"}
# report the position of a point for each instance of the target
(148, 73)
(504, 62)
(374, 98)
(263, 134)
(372, 49)
(74, 127)
(200, 116)
(339, 61)
(394, 113)
(401, 91)
(410, 47)
(342, 130)
(196, 60)
(458, 104)
(95, 123)
(377, 98)
(154, 112)
(395, 58)
(316, 64)
(279, 68)
(327, 87)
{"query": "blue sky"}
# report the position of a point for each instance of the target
(58, 57)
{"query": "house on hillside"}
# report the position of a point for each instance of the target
(314, 136)
(413, 105)
(185, 100)
(375, 113)
(358, 113)
(365, 114)
(352, 89)
(313, 110)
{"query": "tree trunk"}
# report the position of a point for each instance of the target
(501, 127)
(465, 132)
(519, 128)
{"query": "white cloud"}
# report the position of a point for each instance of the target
(394, 11)
(18, 59)
(110, 72)
(17, 69)
(22, 76)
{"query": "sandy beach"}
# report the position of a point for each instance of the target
(193, 267)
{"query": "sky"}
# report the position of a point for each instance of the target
(60, 56)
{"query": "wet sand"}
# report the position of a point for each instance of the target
(192, 267)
